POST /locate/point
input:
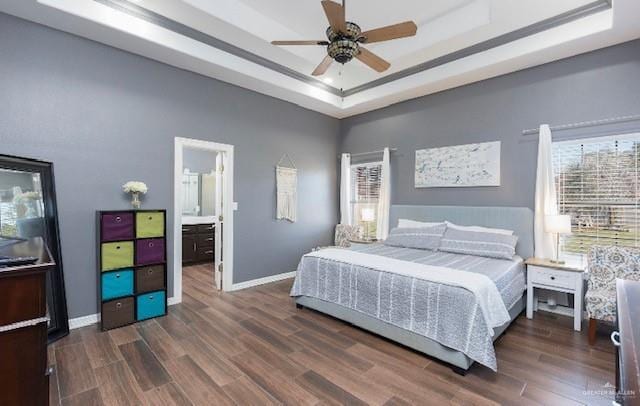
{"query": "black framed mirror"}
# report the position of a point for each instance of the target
(28, 209)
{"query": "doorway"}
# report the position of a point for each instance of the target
(203, 213)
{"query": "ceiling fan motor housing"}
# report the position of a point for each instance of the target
(344, 47)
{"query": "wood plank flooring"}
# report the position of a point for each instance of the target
(253, 347)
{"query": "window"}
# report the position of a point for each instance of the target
(365, 191)
(597, 184)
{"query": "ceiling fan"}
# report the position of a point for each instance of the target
(345, 39)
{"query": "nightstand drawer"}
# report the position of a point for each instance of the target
(553, 277)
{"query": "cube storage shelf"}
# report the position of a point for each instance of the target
(132, 266)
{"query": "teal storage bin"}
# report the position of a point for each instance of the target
(152, 304)
(117, 284)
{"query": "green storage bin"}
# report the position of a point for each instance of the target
(149, 224)
(117, 255)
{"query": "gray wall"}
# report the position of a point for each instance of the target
(104, 116)
(198, 161)
(600, 84)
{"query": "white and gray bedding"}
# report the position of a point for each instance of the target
(443, 313)
(417, 237)
(479, 243)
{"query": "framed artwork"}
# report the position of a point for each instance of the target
(459, 166)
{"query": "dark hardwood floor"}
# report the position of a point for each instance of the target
(254, 347)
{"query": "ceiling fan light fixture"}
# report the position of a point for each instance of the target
(345, 38)
(352, 31)
(343, 50)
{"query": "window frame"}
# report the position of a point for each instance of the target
(618, 216)
(368, 228)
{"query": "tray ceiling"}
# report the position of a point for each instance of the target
(458, 41)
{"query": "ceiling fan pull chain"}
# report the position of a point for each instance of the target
(340, 80)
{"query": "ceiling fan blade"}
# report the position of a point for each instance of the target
(335, 15)
(324, 65)
(320, 42)
(372, 60)
(402, 30)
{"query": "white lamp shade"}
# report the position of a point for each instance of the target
(557, 224)
(368, 215)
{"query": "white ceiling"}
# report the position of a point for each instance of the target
(444, 26)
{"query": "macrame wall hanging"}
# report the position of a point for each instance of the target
(286, 190)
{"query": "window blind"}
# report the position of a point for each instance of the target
(365, 183)
(597, 184)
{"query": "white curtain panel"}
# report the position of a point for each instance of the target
(345, 189)
(287, 199)
(384, 201)
(545, 198)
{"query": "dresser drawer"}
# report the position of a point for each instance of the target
(117, 284)
(23, 363)
(117, 313)
(117, 255)
(553, 277)
(189, 229)
(150, 305)
(22, 297)
(149, 251)
(150, 278)
(204, 240)
(116, 226)
(206, 228)
(149, 224)
(205, 254)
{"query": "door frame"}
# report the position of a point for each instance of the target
(227, 211)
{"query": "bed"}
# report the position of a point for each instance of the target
(438, 319)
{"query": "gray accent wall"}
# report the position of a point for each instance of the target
(596, 85)
(104, 116)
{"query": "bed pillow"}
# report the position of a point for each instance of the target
(426, 238)
(492, 245)
(406, 223)
(479, 229)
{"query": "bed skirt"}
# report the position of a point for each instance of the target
(402, 336)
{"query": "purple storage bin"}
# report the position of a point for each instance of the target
(117, 226)
(149, 251)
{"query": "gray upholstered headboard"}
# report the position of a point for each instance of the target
(518, 219)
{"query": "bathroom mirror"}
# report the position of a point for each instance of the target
(198, 183)
(198, 194)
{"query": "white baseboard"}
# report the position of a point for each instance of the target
(90, 319)
(83, 321)
(94, 318)
(262, 281)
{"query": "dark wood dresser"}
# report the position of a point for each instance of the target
(627, 342)
(197, 243)
(24, 376)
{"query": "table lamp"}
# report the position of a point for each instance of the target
(368, 215)
(557, 224)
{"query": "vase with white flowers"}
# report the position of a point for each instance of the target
(135, 188)
(29, 204)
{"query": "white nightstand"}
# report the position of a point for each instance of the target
(544, 274)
